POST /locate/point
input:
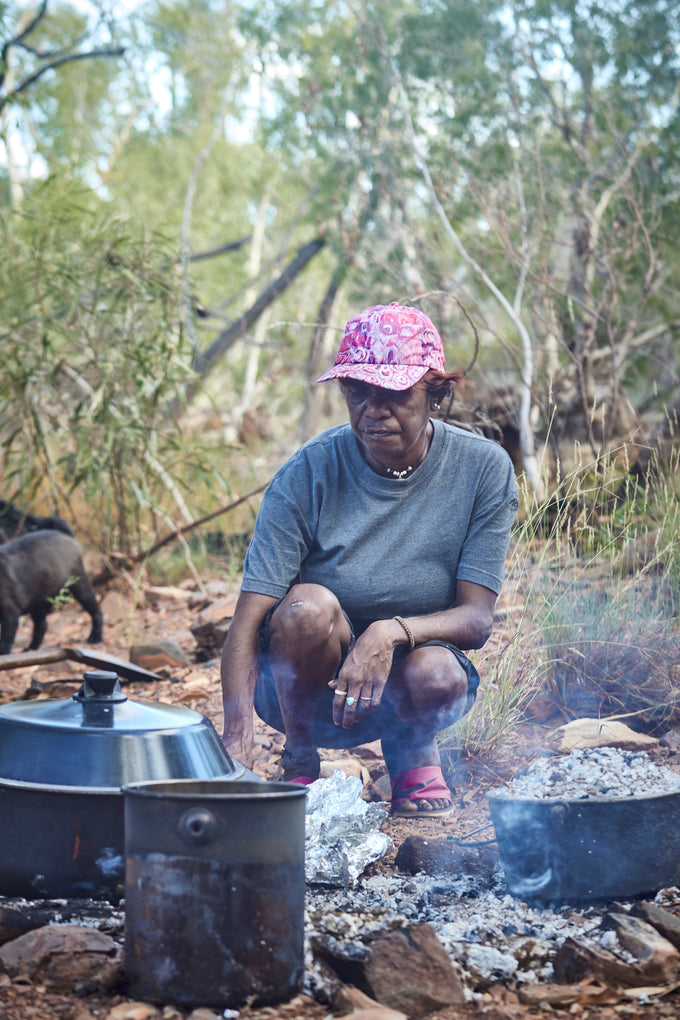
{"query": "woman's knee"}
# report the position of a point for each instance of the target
(309, 613)
(430, 684)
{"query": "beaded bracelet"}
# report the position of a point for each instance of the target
(409, 632)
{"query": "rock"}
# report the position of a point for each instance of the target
(157, 655)
(133, 1011)
(657, 960)
(446, 857)
(361, 1006)
(547, 995)
(671, 739)
(377, 1012)
(576, 961)
(581, 733)
(64, 957)
(212, 625)
(487, 964)
(350, 766)
(381, 789)
(410, 971)
(667, 924)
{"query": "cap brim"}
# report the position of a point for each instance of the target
(389, 377)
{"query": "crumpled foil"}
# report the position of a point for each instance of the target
(342, 831)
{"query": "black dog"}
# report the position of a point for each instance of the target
(35, 568)
(15, 522)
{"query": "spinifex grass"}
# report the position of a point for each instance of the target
(589, 613)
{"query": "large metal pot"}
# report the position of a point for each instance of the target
(214, 892)
(63, 763)
(573, 851)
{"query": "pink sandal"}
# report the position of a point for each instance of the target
(424, 783)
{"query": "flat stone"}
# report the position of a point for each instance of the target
(666, 924)
(352, 1000)
(64, 957)
(671, 739)
(155, 655)
(133, 1011)
(582, 733)
(657, 960)
(19, 918)
(350, 766)
(576, 961)
(410, 971)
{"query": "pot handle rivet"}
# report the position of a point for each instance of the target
(559, 812)
(198, 826)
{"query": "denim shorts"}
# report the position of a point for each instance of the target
(382, 722)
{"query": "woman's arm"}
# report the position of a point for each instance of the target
(467, 625)
(239, 669)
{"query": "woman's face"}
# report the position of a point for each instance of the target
(391, 425)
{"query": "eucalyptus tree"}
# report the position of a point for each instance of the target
(56, 67)
(513, 147)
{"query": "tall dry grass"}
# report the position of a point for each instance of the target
(589, 617)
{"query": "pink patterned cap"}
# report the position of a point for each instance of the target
(392, 346)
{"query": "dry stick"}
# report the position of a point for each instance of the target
(195, 524)
(108, 572)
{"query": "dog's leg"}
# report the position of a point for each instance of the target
(39, 617)
(8, 631)
(83, 591)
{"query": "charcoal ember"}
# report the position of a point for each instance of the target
(18, 916)
(447, 857)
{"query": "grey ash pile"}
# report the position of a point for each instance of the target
(592, 773)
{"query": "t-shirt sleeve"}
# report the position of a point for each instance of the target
(485, 548)
(283, 533)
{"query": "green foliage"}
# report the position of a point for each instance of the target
(63, 596)
(91, 353)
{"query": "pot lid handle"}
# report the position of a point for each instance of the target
(100, 685)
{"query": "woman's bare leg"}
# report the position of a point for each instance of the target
(428, 691)
(308, 637)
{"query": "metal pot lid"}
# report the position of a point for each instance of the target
(101, 738)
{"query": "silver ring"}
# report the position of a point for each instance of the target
(350, 700)
(341, 694)
(362, 697)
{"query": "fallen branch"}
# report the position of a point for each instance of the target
(108, 572)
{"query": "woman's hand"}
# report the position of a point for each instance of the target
(239, 669)
(361, 681)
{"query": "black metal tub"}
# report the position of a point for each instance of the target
(574, 851)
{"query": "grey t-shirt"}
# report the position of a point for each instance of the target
(385, 546)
